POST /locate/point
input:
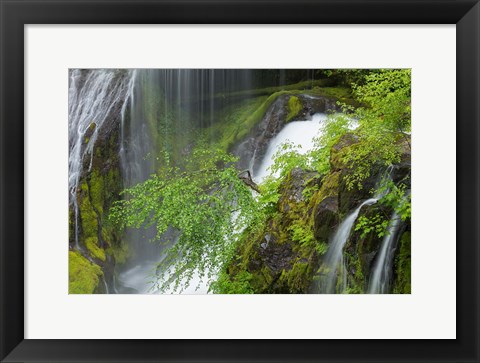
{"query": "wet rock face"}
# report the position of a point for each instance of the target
(338, 150)
(326, 218)
(351, 198)
(275, 256)
(252, 150)
(292, 190)
(315, 104)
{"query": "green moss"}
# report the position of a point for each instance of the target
(294, 107)
(300, 86)
(291, 235)
(224, 134)
(343, 94)
(329, 188)
(301, 232)
(119, 251)
(84, 276)
(403, 268)
(95, 251)
(356, 278)
(297, 279)
(87, 214)
(239, 120)
(96, 185)
(262, 280)
(71, 225)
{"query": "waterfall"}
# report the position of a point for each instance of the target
(334, 261)
(301, 133)
(382, 270)
(93, 96)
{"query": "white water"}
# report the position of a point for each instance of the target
(333, 262)
(300, 133)
(382, 269)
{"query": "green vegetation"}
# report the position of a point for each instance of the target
(197, 203)
(83, 275)
(239, 284)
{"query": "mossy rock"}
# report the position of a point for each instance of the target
(94, 249)
(88, 217)
(282, 256)
(326, 218)
(83, 275)
(297, 280)
(294, 106)
(329, 187)
(338, 151)
(120, 252)
(293, 187)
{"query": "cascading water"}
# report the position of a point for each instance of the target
(334, 269)
(301, 133)
(93, 95)
(380, 279)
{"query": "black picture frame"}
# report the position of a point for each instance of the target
(15, 14)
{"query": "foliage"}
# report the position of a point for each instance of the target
(238, 284)
(321, 248)
(205, 202)
(380, 124)
(333, 128)
(377, 224)
(349, 76)
(396, 197)
(301, 233)
(285, 160)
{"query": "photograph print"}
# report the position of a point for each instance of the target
(239, 181)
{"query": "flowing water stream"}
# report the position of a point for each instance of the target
(301, 133)
(380, 279)
(334, 278)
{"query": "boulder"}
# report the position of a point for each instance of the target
(326, 218)
(292, 189)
